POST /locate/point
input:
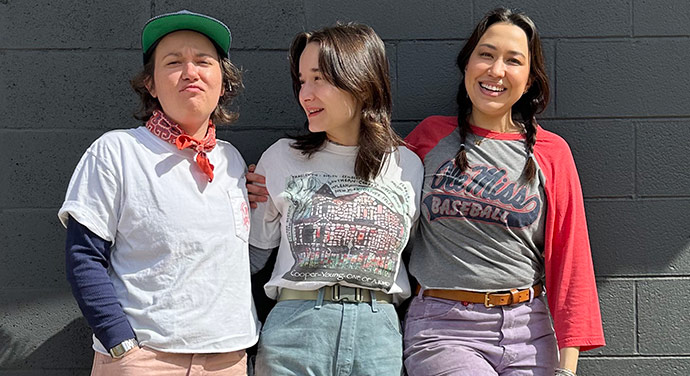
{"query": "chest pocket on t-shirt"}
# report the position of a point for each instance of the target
(240, 213)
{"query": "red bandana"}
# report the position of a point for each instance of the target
(168, 131)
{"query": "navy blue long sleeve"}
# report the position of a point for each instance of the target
(86, 265)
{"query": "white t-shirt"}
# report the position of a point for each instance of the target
(332, 227)
(179, 258)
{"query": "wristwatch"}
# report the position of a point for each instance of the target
(121, 349)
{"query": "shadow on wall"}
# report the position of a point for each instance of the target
(70, 348)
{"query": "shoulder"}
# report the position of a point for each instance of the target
(551, 145)
(230, 152)
(279, 149)
(429, 132)
(114, 142)
(408, 159)
(435, 124)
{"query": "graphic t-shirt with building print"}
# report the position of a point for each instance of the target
(332, 227)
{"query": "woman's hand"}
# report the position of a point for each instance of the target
(256, 193)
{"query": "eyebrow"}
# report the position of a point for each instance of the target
(311, 70)
(200, 54)
(492, 47)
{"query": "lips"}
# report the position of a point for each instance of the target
(192, 88)
(496, 88)
(313, 111)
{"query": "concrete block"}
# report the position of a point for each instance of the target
(38, 165)
(663, 157)
(634, 366)
(34, 323)
(404, 127)
(33, 253)
(252, 142)
(397, 20)
(603, 149)
(621, 78)
(661, 18)
(254, 24)
(569, 19)
(65, 24)
(549, 52)
(617, 302)
(642, 237)
(392, 56)
(427, 80)
(68, 89)
(267, 99)
(663, 307)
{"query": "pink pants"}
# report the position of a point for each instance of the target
(145, 361)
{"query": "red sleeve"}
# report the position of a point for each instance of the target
(570, 286)
(429, 132)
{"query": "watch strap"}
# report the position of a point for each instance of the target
(121, 348)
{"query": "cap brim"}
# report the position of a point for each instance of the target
(162, 25)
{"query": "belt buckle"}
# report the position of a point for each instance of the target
(486, 300)
(341, 293)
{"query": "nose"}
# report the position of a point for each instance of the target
(306, 93)
(497, 69)
(190, 71)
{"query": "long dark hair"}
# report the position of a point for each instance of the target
(352, 58)
(533, 102)
(232, 83)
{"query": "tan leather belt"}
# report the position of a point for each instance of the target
(336, 293)
(489, 299)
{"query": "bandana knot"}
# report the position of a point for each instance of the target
(161, 126)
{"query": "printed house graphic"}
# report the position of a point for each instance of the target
(349, 232)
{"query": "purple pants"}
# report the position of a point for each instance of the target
(444, 337)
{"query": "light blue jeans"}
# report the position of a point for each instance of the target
(308, 337)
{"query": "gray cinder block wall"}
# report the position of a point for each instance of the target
(619, 72)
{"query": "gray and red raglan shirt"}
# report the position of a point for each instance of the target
(488, 229)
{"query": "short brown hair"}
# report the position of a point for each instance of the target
(232, 83)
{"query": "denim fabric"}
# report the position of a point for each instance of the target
(302, 337)
(444, 337)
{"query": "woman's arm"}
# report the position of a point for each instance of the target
(569, 356)
(86, 265)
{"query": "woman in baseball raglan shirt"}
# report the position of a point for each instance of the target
(342, 202)
(501, 212)
(157, 218)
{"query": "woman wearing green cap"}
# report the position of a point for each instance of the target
(157, 218)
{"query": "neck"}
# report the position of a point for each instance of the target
(501, 124)
(194, 128)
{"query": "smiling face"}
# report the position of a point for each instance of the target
(187, 79)
(497, 73)
(328, 108)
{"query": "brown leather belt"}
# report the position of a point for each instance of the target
(336, 293)
(489, 299)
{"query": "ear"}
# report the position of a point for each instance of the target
(150, 87)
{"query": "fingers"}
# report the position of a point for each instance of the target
(253, 199)
(251, 167)
(255, 178)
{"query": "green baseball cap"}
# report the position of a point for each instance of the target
(160, 26)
